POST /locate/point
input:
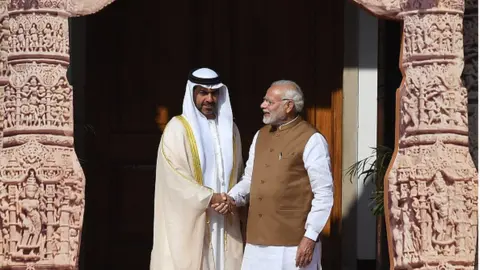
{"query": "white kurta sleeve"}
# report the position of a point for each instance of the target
(241, 191)
(317, 163)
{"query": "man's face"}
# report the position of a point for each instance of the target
(273, 107)
(206, 100)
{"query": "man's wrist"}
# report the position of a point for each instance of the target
(311, 234)
(234, 199)
(214, 199)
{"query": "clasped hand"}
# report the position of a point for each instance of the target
(222, 203)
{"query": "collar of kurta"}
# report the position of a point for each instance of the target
(286, 126)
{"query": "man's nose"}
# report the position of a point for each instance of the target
(263, 105)
(209, 98)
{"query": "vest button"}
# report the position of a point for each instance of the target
(271, 149)
(262, 181)
(260, 198)
(266, 165)
(260, 215)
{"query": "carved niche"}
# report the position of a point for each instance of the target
(42, 186)
(431, 186)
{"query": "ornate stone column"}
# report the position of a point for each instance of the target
(431, 185)
(42, 186)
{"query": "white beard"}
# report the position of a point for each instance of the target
(274, 118)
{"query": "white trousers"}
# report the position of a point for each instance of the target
(277, 258)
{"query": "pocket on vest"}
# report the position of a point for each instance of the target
(291, 212)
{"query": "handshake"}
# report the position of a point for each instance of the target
(222, 203)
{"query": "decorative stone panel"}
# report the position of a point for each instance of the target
(42, 186)
(431, 186)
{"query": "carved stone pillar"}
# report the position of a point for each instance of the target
(431, 185)
(42, 186)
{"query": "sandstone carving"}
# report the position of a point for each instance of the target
(42, 186)
(431, 187)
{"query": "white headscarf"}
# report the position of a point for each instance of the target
(201, 130)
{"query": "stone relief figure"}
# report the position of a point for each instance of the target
(30, 217)
(10, 102)
(442, 236)
(38, 106)
(460, 221)
(419, 40)
(433, 112)
(33, 38)
(426, 228)
(411, 111)
(42, 185)
(48, 38)
(408, 240)
(398, 243)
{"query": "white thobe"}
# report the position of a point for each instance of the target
(317, 163)
(218, 184)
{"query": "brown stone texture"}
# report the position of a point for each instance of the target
(42, 186)
(431, 185)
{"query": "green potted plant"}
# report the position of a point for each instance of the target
(374, 168)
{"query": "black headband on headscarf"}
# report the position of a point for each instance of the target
(203, 81)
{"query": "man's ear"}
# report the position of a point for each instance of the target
(290, 106)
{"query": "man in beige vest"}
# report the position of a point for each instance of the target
(199, 160)
(288, 182)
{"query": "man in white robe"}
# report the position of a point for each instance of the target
(281, 106)
(199, 160)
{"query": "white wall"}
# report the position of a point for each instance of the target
(360, 84)
(367, 129)
(349, 135)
